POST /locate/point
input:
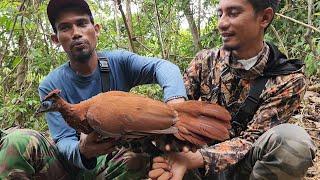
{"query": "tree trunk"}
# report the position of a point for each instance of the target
(131, 46)
(199, 17)
(129, 17)
(115, 6)
(192, 26)
(22, 67)
(22, 70)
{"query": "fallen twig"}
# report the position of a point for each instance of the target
(315, 88)
(311, 117)
(312, 129)
(316, 138)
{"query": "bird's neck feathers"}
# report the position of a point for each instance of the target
(75, 116)
(62, 106)
(74, 112)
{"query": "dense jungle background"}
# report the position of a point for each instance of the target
(169, 29)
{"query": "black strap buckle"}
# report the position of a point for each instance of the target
(104, 65)
(105, 72)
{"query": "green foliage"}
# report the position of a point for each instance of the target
(29, 54)
(293, 35)
(151, 90)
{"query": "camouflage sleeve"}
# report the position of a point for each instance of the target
(282, 96)
(197, 69)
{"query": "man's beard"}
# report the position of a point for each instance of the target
(230, 48)
(83, 56)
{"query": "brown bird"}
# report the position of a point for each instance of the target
(128, 116)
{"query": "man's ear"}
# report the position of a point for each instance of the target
(54, 39)
(267, 16)
(97, 28)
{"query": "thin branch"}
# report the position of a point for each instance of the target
(315, 88)
(299, 22)
(279, 39)
(159, 28)
(145, 47)
(11, 33)
(45, 35)
(309, 33)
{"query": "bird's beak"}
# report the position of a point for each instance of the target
(44, 107)
(37, 113)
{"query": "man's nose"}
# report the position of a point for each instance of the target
(223, 22)
(76, 33)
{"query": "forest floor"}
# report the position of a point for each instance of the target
(308, 116)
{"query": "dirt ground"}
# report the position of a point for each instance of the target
(308, 116)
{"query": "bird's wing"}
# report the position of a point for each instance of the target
(205, 109)
(123, 114)
(202, 122)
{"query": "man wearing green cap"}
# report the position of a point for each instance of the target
(261, 88)
(26, 154)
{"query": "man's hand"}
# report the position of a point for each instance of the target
(175, 165)
(91, 145)
(161, 169)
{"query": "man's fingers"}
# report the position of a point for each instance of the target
(165, 176)
(167, 147)
(159, 159)
(164, 166)
(154, 174)
(185, 149)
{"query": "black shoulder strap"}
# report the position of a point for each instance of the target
(105, 72)
(278, 65)
(250, 105)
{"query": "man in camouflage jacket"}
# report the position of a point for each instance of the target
(27, 154)
(267, 148)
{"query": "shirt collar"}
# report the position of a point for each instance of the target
(249, 68)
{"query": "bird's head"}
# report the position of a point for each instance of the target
(50, 102)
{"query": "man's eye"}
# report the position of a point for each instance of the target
(234, 13)
(63, 28)
(82, 24)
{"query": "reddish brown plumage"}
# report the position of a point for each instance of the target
(125, 115)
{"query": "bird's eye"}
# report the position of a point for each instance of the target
(46, 104)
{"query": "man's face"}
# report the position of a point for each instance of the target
(76, 34)
(238, 24)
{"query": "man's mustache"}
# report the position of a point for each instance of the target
(78, 42)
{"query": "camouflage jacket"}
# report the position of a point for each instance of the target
(214, 77)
